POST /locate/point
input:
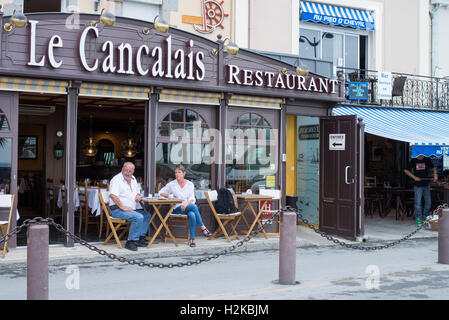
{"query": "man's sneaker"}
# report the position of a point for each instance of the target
(143, 239)
(418, 222)
(131, 245)
(141, 243)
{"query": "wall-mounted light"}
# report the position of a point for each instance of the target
(106, 18)
(301, 70)
(231, 47)
(58, 150)
(18, 20)
(159, 24)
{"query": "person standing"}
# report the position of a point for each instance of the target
(124, 198)
(419, 169)
(185, 190)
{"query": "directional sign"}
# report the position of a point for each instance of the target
(337, 141)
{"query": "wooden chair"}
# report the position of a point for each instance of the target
(62, 190)
(372, 199)
(87, 217)
(115, 225)
(6, 201)
(268, 213)
(103, 185)
(50, 198)
(178, 218)
(223, 219)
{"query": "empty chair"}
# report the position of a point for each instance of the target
(372, 198)
(223, 220)
(6, 201)
(268, 213)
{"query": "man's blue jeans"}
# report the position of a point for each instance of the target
(140, 221)
(194, 217)
(419, 193)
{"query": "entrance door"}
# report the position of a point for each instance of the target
(339, 177)
(8, 150)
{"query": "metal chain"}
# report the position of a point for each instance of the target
(254, 233)
(364, 248)
(138, 262)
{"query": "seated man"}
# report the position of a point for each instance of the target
(123, 200)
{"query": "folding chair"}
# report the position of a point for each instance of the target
(86, 215)
(223, 219)
(115, 225)
(178, 218)
(6, 201)
(267, 213)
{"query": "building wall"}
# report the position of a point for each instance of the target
(440, 65)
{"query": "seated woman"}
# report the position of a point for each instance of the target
(184, 189)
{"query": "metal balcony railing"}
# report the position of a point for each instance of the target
(408, 90)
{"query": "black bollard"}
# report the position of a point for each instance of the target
(443, 236)
(37, 262)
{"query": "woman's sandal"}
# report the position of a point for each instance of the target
(206, 233)
(192, 243)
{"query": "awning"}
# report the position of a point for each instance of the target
(417, 127)
(341, 16)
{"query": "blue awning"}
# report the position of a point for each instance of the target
(428, 151)
(346, 17)
(417, 127)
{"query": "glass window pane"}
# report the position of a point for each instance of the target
(163, 130)
(177, 116)
(177, 130)
(309, 43)
(4, 126)
(333, 48)
(5, 164)
(191, 116)
(167, 118)
(195, 158)
(256, 120)
(250, 167)
(351, 52)
(244, 119)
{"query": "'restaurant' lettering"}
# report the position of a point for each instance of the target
(235, 75)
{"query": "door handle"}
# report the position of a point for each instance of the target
(346, 176)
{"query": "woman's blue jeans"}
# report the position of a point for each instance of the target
(419, 193)
(194, 217)
(140, 221)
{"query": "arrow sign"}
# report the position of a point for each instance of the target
(337, 141)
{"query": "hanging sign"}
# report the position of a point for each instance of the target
(385, 86)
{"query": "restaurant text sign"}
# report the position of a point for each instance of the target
(258, 78)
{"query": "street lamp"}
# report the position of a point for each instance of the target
(315, 42)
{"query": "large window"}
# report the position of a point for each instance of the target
(183, 138)
(343, 49)
(251, 154)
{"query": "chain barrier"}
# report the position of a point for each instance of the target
(141, 263)
(366, 248)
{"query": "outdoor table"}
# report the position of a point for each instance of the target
(156, 203)
(398, 193)
(248, 198)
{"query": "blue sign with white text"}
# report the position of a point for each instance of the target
(358, 90)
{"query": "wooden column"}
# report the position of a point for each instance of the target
(70, 159)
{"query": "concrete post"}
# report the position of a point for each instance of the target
(443, 237)
(287, 249)
(37, 262)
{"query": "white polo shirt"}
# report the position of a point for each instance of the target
(187, 193)
(126, 193)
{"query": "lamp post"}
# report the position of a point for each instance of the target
(315, 42)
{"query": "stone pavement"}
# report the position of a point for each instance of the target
(377, 231)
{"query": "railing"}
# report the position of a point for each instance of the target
(409, 91)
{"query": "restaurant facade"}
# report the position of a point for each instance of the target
(175, 98)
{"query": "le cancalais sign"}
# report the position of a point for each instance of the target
(167, 62)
